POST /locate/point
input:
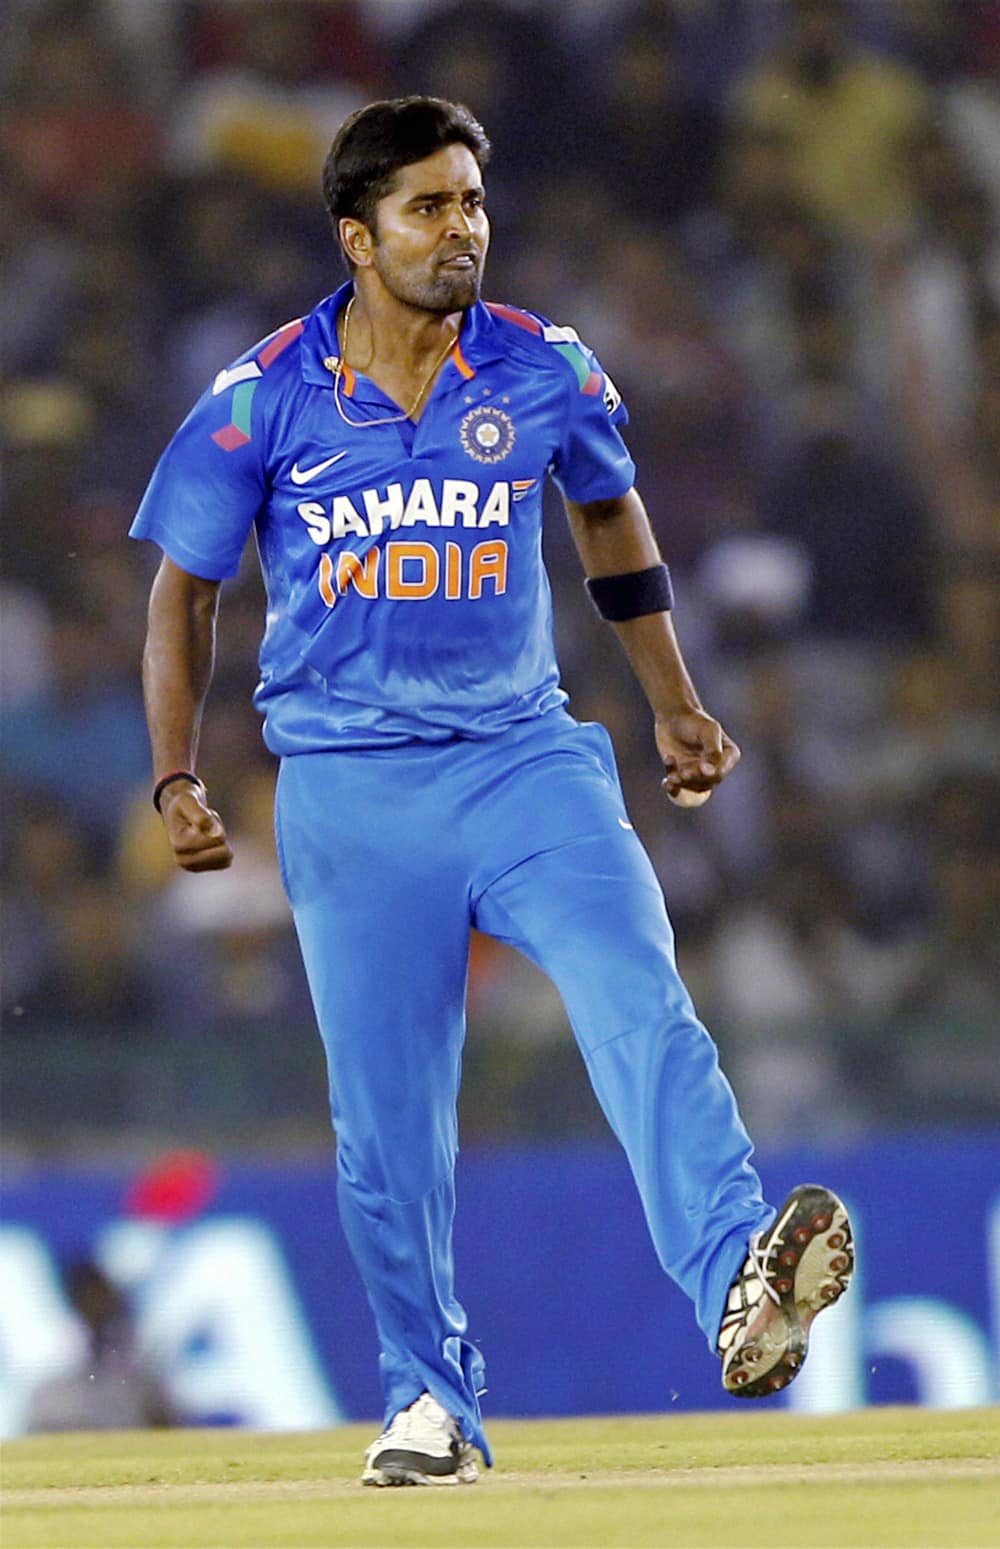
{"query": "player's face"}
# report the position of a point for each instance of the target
(432, 233)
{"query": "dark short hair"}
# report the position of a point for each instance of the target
(372, 145)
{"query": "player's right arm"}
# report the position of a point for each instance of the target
(176, 671)
(199, 506)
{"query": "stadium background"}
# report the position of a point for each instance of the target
(792, 270)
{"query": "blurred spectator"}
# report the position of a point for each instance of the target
(796, 952)
(83, 742)
(108, 353)
(93, 983)
(238, 264)
(25, 647)
(114, 1386)
(755, 173)
(972, 114)
(846, 110)
(507, 65)
(942, 303)
(648, 120)
(38, 268)
(778, 729)
(271, 108)
(91, 423)
(45, 423)
(71, 950)
(683, 383)
(930, 726)
(960, 970)
(44, 854)
(941, 290)
(340, 34)
(933, 36)
(103, 575)
(859, 521)
(234, 935)
(559, 229)
(70, 128)
(772, 269)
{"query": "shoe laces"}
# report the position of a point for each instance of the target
(748, 1290)
(757, 1264)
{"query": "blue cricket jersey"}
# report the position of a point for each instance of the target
(406, 595)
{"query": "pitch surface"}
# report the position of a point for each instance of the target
(878, 1477)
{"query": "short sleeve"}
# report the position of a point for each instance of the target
(592, 462)
(209, 485)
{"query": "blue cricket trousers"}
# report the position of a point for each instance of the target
(388, 857)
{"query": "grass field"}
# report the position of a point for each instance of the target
(878, 1477)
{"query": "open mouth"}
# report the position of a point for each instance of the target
(459, 261)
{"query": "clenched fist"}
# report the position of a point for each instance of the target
(696, 755)
(196, 834)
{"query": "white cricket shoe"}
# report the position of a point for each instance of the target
(423, 1445)
(801, 1264)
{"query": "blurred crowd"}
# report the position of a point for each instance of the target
(778, 224)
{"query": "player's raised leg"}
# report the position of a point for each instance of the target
(584, 903)
(385, 948)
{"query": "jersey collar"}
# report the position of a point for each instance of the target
(478, 343)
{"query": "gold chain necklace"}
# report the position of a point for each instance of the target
(337, 364)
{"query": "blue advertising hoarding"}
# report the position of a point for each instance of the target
(253, 1313)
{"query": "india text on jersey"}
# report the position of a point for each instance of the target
(412, 572)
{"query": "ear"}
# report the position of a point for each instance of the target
(356, 240)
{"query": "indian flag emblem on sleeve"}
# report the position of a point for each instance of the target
(243, 379)
(568, 344)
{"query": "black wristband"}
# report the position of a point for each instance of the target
(168, 779)
(618, 598)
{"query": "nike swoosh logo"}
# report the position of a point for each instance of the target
(622, 823)
(303, 475)
(233, 377)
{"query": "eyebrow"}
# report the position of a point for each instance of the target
(444, 193)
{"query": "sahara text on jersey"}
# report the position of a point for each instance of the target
(370, 513)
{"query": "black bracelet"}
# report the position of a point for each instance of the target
(177, 774)
(618, 598)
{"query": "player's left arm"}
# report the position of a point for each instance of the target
(613, 538)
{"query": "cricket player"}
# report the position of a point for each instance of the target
(389, 451)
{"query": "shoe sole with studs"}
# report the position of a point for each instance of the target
(809, 1254)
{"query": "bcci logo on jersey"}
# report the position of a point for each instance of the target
(487, 433)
